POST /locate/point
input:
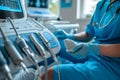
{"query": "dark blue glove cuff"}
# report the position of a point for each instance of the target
(71, 36)
(94, 48)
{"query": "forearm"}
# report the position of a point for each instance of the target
(83, 36)
(111, 50)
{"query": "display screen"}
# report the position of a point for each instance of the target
(10, 5)
(38, 3)
(11, 8)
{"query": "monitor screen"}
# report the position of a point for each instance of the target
(38, 3)
(11, 8)
(39, 9)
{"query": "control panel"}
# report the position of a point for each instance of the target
(25, 43)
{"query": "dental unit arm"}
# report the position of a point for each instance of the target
(24, 46)
(12, 51)
(4, 67)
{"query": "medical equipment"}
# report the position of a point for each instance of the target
(11, 9)
(23, 75)
(12, 51)
(39, 9)
(71, 46)
(49, 40)
(81, 50)
(63, 25)
(14, 47)
(4, 67)
(116, 12)
(51, 43)
(42, 52)
(23, 45)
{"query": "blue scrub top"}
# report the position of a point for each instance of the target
(110, 34)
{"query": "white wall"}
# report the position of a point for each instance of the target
(69, 14)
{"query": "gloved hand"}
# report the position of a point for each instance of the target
(61, 34)
(23, 75)
(81, 50)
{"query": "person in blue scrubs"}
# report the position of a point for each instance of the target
(102, 61)
(103, 53)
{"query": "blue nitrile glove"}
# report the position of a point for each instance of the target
(23, 75)
(61, 34)
(81, 50)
